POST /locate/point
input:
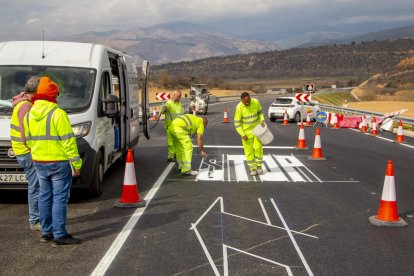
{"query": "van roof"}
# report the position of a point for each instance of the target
(56, 53)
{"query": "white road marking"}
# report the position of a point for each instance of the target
(210, 260)
(275, 174)
(305, 263)
(113, 250)
(289, 163)
(264, 212)
(386, 139)
(240, 147)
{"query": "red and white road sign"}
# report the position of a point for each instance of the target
(162, 96)
(303, 97)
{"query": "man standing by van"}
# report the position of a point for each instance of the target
(248, 115)
(181, 129)
(21, 106)
(53, 146)
(172, 109)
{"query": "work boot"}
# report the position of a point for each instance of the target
(259, 171)
(46, 238)
(66, 240)
(172, 159)
(253, 173)
(189, 173)
(35, 226)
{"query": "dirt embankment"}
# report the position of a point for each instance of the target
(385, 107)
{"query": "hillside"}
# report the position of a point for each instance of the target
(361, 59)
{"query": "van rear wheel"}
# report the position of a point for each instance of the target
(297, 117)
(95, 187)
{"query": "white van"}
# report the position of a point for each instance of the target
(99, 90)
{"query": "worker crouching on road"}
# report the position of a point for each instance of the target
(248, 115)
(172, 110)
(53, 147)
(21, 106)
(181, 129)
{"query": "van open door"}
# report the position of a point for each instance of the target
(144, 100)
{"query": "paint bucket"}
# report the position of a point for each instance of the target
(263, 134)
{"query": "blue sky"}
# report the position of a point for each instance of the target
(255, 19)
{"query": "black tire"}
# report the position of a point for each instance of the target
(297, 117)
(272, 119)
(95, 187)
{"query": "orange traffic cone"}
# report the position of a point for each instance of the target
(317, 147)
(225, 118)
(400, 135)
(335, 121)
(388, 212)
(364, 124)
(154, 115)
(194, 111)
(285, 119)
(374, 131)
(130, 196)
(308, 123)
(301, 140)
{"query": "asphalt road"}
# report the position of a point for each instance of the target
(302, 217)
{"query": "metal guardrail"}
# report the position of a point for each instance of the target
(352, 111)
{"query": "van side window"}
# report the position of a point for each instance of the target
(104, 91)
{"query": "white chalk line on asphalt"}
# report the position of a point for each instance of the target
(116, 246)
(240, 147)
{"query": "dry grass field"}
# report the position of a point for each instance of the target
(385, 107)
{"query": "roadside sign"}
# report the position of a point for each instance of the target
(310, 87)
(162, 96)
(321, 116)
(303, 97)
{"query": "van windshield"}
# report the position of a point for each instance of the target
(75, 84)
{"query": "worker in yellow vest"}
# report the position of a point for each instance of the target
(53, 146)
(21, 106)
(182, 129)
(172, 109)
(248, 115)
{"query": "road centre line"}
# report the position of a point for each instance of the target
(240, 147)
(117, 244)
(386, 139)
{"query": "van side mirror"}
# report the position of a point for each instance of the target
(111, 106)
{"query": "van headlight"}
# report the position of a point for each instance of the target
(81, 130)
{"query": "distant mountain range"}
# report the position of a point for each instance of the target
(174, 42)
(183, 41)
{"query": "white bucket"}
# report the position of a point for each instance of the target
(263, 134)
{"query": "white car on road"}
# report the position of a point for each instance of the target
(295, 109)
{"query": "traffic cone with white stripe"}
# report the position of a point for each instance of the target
(317, 147)
(400, 134)
(154, 115)
(308, 123)
(374, 131)
(301, 140)
(364, 125)
(285, 119)
(225, 118)
(335, 121)
(130, 197)
(388, 212)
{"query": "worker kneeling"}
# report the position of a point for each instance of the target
(181, 129)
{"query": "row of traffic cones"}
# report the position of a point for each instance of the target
(317, 147)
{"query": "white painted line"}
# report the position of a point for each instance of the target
(289, 163)
(386, 139)
(228, 168)
(264, 212)
(271, 225)
(240, 147)
(210, 260)
(292, 239)
(205, 213)
(222, 162)
(199, 169)
(340, 181)
(225, 261)
(288, 270)
(314, 175)
(310, 180)
(113, 250)
(406, 145)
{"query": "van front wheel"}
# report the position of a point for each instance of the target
(95, 187)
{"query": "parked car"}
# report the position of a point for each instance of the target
(295, 110)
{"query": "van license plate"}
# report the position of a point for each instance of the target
(10, 178)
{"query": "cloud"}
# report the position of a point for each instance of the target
(26, 19)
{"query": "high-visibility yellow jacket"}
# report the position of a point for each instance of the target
(188, 124)
(246, 118)
(17, 139)
(49, 134)
(174, 110)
